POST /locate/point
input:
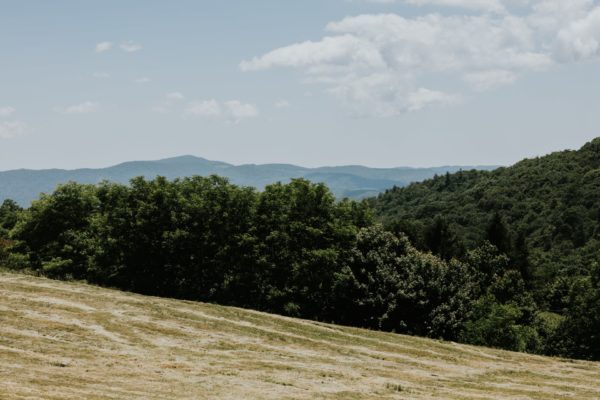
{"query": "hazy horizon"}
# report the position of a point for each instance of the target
(254, 163)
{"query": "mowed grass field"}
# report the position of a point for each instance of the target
(73, 341)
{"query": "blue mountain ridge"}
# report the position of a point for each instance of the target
(353, 181)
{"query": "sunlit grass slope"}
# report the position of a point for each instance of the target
(72, 341)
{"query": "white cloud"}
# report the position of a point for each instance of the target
(581, 39)
(423, 97)
(282, 104)
(387, 64)
(486, 80)
(130, 47)
(175, 96)
(11, 129)
(142, 80)
(445, 43)
(206, 108)
(127, 46)
(101, 75)
(480, 5)
(550, 16)
(230, 111)
(336, 50)
(103, 46)
(86, 107)
(239, 110)
(7, 111)
(169, 101)
(387, 95)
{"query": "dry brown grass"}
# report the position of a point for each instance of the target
(71, 341)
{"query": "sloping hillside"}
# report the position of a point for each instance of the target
(545, 211)
(71, 341)
(24, 185)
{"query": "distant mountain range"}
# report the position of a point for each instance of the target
(352, 181)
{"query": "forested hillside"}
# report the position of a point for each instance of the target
(544, 213)
(514, 264)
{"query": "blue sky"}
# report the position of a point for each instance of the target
(324, 82)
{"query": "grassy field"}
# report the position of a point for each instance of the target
(72, 341)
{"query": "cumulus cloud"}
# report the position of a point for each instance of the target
(282, 104)
(175, 96)
(205, 108)
(231, 111)
(580, 40)
(423, 97)
(387, 64)
(486, 80)
(11, 129)
(387, 95)
(239, 110)
(86, 107)
(550, 16)
(170, 99)
(103, 46)
(7, 111)
(130, 46)
(480, 5)
(127, 46)
(330, 51)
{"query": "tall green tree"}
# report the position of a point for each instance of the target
(302, 234)
(441, 239)
(54, 232)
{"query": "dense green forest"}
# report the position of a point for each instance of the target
(543, 213)
(507, 259)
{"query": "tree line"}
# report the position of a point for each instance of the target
(290, 249)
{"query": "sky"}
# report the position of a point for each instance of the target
(381, 83)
